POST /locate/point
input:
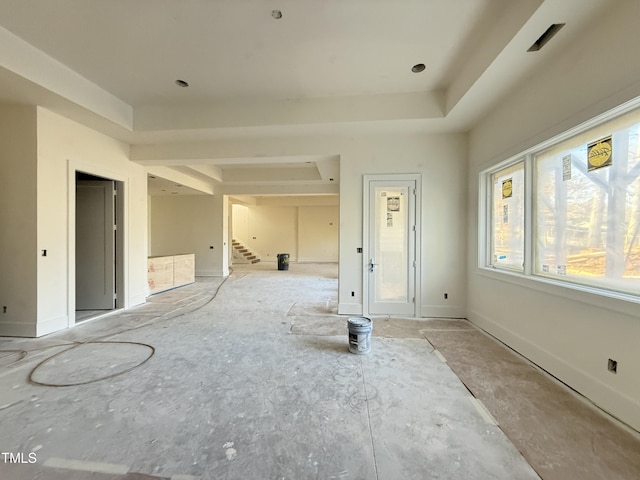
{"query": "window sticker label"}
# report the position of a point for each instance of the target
(600, 153)
(566, 168)
(507, 188)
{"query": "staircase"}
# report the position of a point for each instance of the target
(243, 254)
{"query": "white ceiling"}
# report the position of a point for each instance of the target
(325, 65)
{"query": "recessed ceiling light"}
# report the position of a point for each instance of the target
(277, 14)
(418, 67)
(182, 83)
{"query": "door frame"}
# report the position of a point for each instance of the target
(100, 241)
(122, 254)
(366, 254)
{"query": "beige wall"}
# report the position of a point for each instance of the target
(568, 332)
(41, 152)
(64, 147)
(273, 230)
(18, 249)
(185, 224)
(240, 223)
(304, 227)
(318, 234)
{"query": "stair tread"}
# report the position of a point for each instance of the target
(246, 252)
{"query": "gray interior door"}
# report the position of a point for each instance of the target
(95, 245)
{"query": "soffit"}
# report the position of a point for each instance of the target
(324, 68)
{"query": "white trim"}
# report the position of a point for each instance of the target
(529, 215)
(392, 177)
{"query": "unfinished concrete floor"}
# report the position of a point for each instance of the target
(250, 384)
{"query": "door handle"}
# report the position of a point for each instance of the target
(371, 265)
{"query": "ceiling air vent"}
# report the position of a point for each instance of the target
(545, 37)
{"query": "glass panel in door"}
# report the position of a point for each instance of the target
(391, 248)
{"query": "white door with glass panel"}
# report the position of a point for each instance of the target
(391, 265)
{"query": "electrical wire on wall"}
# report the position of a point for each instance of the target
(101, 340)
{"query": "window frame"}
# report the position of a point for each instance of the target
(528, 276)
(491, 216)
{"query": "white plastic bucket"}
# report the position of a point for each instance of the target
(360, 329)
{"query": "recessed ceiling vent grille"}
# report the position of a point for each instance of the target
(545, 37)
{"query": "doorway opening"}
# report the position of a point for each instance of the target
(99, 245)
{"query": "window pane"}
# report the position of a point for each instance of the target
(588, 207)
(391, 245)
(507, 233)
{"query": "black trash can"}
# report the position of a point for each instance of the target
(283, 261)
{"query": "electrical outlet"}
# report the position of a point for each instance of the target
(446, 296)
(612, 366)
(4, 309)
(353, 294)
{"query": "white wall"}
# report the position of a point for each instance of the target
(64, 147)
(441, 159)
(571, 334)
(186, 224)
(18, 217)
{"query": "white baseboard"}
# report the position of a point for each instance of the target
(438, 311)
(350, 309)
(617, 404)
(17, 329)
(137, 299)
(52, 325)
(212, 273)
